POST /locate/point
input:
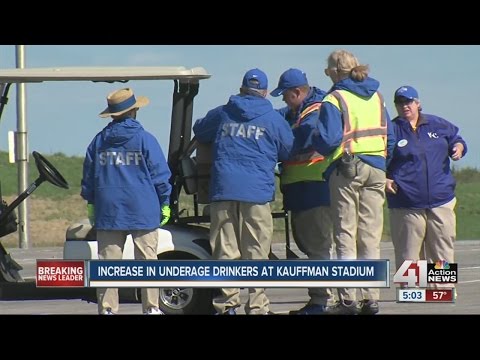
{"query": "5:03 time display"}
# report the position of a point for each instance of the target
(411, 295)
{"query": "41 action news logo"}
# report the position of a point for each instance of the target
(420, 273)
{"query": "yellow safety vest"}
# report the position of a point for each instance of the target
(364, 124)
(307, 166)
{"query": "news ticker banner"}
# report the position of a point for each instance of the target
(213, 273)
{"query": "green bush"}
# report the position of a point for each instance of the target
(69, 166)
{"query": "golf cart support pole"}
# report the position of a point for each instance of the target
(187, 131)
(180, 133)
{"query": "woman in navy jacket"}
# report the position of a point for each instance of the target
(420, 186)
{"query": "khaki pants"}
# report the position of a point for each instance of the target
(110, 247)
(424, 234)
(241, 230)
(357, 213)
(313, 233)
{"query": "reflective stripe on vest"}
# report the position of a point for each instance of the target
(308, 166)
(365, 124)
(308, 110)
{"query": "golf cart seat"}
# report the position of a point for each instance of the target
(195, 170)
(190, 175)
(81, 231)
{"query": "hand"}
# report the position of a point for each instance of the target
(165, 215)
(91, 214)
(391, 186)
(457, 151)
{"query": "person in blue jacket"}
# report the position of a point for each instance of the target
(420, 185)
(356, 137)
(305, 192)
(249, 137)
(126, 185)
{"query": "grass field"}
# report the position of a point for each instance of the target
(51, 209)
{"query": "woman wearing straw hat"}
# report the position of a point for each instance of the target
(126, 185)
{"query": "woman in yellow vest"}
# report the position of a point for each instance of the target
(356, 136)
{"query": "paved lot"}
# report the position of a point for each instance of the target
(282, 300)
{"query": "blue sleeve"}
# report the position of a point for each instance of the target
(329, 130)
(159, 171)
(391, 138)
(283, 111)
(284, 140)
(455, 138)
(87, 183)
(206, 128)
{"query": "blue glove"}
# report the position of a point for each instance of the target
(165, 215)
(91, 214)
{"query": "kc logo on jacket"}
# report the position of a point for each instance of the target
(432, 135)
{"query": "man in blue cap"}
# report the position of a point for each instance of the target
(249, 137)
(305, 193)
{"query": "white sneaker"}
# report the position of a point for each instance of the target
(107, 311)
(154, 311)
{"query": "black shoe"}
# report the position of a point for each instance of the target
(310, 309)
(107, 311)
(368, 307)
(345, 307)
(229, 311)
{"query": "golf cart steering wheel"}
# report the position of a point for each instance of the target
(48, 172)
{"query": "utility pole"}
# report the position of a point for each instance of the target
(22, 152)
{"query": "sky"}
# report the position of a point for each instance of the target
(63, 116)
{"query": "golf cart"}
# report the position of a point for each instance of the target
(183, 237)
(186, 236)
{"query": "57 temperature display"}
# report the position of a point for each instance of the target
(426, 295)
(445, 295)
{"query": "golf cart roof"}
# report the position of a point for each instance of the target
(109, 74)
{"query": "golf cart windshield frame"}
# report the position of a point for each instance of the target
(186, 85)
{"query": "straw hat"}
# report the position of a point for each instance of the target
(121, 101)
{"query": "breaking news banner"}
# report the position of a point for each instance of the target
(418, 277)
(239, 273)
(61, 273)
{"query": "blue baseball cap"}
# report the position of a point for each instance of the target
(406, 92)
(255, 79)
(291, 78)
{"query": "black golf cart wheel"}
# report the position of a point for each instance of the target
(185, 301)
